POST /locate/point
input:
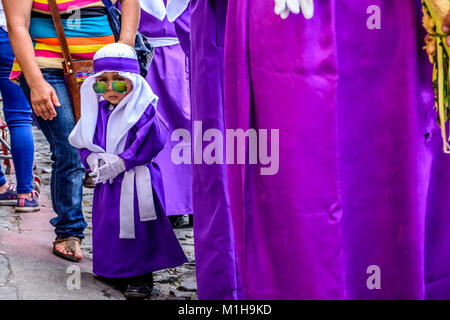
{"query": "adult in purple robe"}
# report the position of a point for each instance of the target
(217, 276)
(382, 135)
(168, 76)
(387, 142)
(282, 75)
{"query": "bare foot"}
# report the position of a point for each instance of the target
(61, 247)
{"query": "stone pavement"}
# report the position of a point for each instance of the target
(29, 270)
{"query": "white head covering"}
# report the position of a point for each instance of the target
(120, 58)
(157, 8)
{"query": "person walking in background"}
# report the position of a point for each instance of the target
(17, 112)
(35, 43)
(168, 28)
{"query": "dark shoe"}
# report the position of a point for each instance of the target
(88, 181)
(117, 283)
(139, 287)
(176, 221)
(9, 198)
(25, 205)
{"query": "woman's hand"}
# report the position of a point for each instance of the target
(44, 100)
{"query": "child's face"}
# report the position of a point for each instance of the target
(111, 95)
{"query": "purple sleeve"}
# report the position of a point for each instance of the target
(84, 153)
(183, 30)
(148, 137)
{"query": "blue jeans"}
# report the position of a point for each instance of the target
(17, 113)
(67, 169)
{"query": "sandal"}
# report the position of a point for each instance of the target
(70, 247)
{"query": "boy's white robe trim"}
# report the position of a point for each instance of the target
(156, 8)
(126, 114)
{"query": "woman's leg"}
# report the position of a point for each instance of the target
(17, 113)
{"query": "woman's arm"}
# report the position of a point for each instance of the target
(131, 14)
(43, 96)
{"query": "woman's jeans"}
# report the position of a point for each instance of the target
(17, 113)
(67, 169)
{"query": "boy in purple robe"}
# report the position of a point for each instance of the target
(119, 134)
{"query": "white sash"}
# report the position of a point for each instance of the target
(146, 203)
(164, 41)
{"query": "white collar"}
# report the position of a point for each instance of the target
(173, 10)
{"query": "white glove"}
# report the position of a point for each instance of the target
(114, 165)
(93, 161)
(284, 7)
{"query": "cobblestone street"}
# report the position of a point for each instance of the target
(29, 270)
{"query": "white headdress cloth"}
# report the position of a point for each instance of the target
(125, 115)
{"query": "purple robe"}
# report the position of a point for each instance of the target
(217, 276)
(155, 246)
(384, 166)
(282, 74)
(168, 77)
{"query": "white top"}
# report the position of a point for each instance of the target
(2, 17)
(159, 10)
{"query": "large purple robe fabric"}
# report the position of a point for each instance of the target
(155, 246)
(282, 74)
(437, 226)
(384, 163)
(216, 269)
(300, 234)
(168, 77)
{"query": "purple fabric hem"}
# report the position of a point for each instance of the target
(136, 274)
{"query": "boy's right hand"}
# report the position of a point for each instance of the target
(93, 161)
(44, 100)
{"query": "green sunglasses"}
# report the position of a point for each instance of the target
(118, 86)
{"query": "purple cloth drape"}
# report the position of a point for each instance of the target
(216, 269)
(282, 74)
(383, 159)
